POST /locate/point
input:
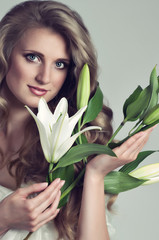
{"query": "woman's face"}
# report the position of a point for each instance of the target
(38, 66)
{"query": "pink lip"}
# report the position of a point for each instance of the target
(37, 91)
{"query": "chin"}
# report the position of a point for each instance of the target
(31, 103)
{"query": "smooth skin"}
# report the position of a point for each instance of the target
(92, 221)
(37, 211)
(40, 60)
(19, 212)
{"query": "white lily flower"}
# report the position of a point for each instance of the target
(55, 129)
(149, 172)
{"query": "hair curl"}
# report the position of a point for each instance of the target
(30, 165)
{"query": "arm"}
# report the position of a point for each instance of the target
(92, 221)
(35, 212)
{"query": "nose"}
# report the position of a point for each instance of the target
(43, 75)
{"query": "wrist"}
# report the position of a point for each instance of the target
(94, 175)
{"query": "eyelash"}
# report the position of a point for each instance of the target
(65, 65)
(29, 55)
(37, 58)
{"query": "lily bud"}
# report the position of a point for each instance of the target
(149, 172)
(152, 116)
(83, 89)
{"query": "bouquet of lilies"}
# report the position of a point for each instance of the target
(64, 143)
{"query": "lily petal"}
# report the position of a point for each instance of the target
(57, 134)
(61, 108)
(74, 119)
(147, 171)
(44, 113)
(43, 136)
(151, 181)
(45, 116)
(69, 125)
(69, 142)
(55, 129)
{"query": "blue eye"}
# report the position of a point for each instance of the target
(60, 65)
(32, 57)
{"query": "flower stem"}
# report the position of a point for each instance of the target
(116, 132)
(79, 128)
(80, 138)
(137, 129)
(50, 171)
(73, 184)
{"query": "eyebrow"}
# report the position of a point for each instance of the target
(41, 55)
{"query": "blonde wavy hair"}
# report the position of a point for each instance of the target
(31, 165)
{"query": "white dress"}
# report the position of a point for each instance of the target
(46, 232)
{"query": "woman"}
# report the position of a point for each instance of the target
(43, 46)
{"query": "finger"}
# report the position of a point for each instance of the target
(37, 187)
(40, 197)
(127, 144)
(49, 214)
(51, 210)
(44, 199)
(33, 229)
(143, 140)
(138, 144)
(133, 143)
(140, 147)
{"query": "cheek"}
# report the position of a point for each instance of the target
(58, 83)
(14, 72)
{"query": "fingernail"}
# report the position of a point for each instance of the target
(57, 180)
(59, 194)
(62, 182)
(141, 134)
(44, 184)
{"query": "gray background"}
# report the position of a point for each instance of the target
(126, 37)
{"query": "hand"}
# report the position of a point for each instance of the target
(19, 212)
(127, 152)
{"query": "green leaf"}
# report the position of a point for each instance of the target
(116, 182)
(94, 106)
(158, 83)
(152, 116)
(77, 153)
(82, 136)
(112, 145)
(67, 191)
(154, 86)
(83, 139)
(66, 174)
(64, 201)
(153, 99)
(131, 99)
(149, 126)
(135, 109)
(133, 165)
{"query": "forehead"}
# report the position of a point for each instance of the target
(44, 40)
